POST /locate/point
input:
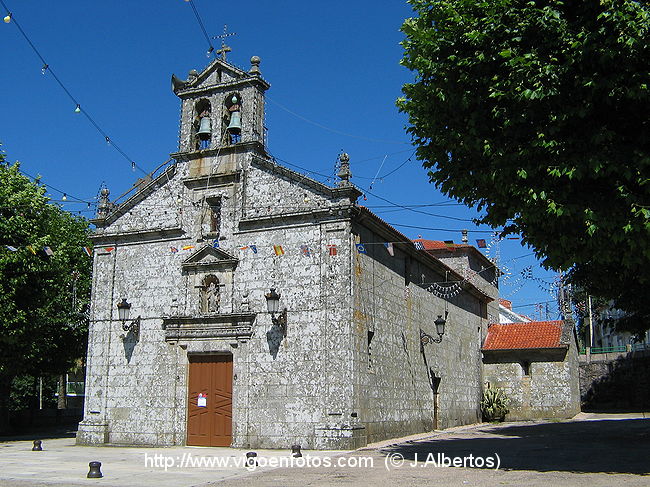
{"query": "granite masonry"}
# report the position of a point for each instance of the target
(195, 251)
(536, 364)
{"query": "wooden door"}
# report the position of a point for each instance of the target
(209, 418)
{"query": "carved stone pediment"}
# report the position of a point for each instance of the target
(209, 258)
(227, 325)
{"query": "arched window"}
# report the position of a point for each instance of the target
(210, 297)
(233, 127)
(202, 124)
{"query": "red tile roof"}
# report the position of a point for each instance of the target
(517, 336)
(439, 244)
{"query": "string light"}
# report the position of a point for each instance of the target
(64, 197)
(46, 67)
(209, 52)
(133, 166)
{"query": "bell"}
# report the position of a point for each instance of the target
(235, 123)
(205, 126)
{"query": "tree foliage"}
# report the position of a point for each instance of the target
(43, 298)
(536, 112)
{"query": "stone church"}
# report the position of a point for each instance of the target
(238, 303)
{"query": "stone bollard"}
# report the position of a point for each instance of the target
(38, 445)
(251, 459)
(295, 451)
(95, 471)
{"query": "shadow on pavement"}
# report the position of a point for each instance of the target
(605, 446)
(68, 430)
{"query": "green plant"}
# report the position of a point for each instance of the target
(494, 405)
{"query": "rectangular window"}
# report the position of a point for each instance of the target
(215, 216)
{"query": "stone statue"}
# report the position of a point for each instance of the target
(212, 298)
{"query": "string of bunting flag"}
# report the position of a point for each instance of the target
(46, 250)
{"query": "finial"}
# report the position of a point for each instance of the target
(344, 171)
(104, 205)
(255, 65)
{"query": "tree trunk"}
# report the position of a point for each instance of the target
(5, 389)
(61, 402)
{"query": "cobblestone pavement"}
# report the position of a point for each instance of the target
(590, 451)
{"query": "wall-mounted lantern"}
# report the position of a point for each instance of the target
(273, 305)
(440, 323)
(123, 311)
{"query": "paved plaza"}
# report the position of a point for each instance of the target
(591, 450)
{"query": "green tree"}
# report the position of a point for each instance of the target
(536, 113)
(43, 298)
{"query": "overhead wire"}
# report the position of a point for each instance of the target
(48, 69)
(200, 21)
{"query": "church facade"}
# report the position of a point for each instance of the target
(265, 308)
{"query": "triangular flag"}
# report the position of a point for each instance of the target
(361, 248)
(304, 250)
(12, 248)
(31, 249)
(173, 250)
(419, 245)
(449, 243)
(253, 248)
(109, 249)
(389, 248)
(48, 251)
(278, 250)
(188, 247)
(89, 251)
(481, 243)
(244, 247)
(332, 249)
(215, 244)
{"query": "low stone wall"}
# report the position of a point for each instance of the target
(615, 384)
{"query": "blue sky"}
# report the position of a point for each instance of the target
(334, 73)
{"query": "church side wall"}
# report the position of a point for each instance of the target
(393, 372)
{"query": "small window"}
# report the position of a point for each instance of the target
(525, 367)
(215, 216)
(371, 335)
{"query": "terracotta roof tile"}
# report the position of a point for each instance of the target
(439, 244)
(516, 336)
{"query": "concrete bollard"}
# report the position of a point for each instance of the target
(295, 451)
(95, 471)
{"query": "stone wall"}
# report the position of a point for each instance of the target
(550, 390)
(286, 390)
(621, 384)
(392, 371)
